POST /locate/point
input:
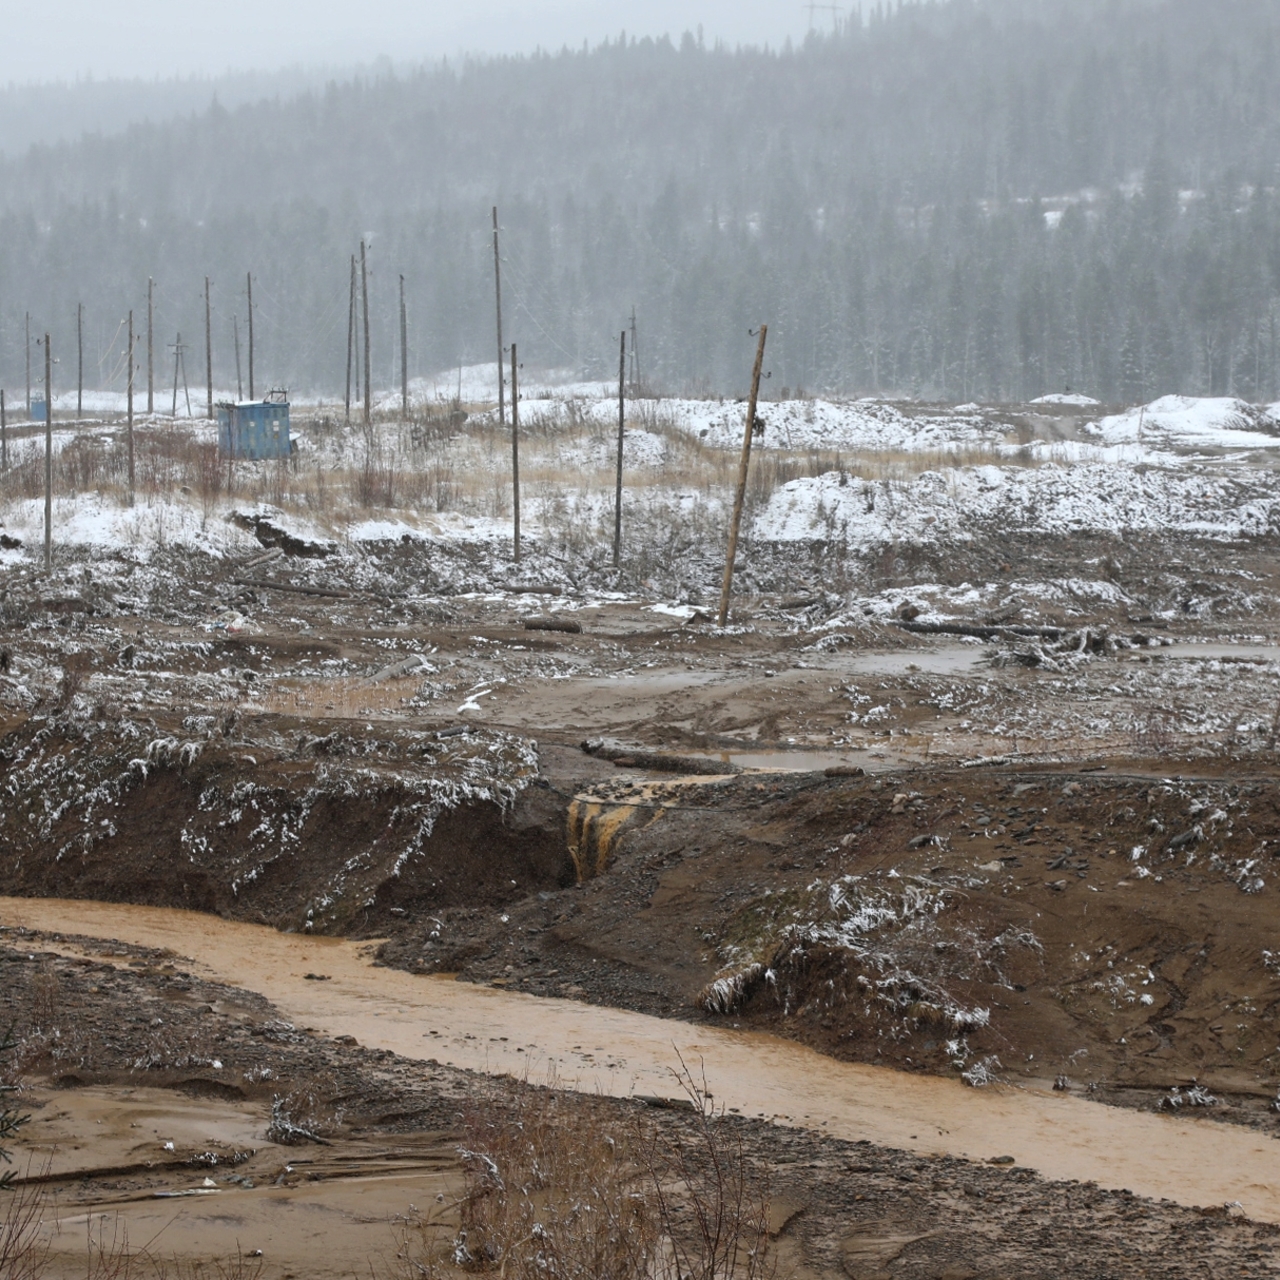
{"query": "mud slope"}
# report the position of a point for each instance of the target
(1116, 931)
(269, 822)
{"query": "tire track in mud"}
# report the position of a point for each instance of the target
(611, 1051)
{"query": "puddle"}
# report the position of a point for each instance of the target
(125, 1155)
(948, 660)
(615, 1052)
(1208, 652)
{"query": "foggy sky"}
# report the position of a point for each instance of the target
(46, 40)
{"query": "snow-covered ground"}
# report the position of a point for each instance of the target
(867, 474)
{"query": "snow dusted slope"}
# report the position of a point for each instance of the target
(1185, 421)
(1054, 500)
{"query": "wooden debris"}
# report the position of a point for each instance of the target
(553, 624)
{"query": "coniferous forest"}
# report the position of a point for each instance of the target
(962, 199)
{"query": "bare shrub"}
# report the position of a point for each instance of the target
(309, 1112)
(24, 1248)
(712, 1206)
(558, 1185)
(1153, 731)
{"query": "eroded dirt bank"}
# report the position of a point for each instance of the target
(1103, 928)
(850, 1208)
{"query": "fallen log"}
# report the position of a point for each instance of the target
(978, 631)
(553, 624)
(532, 591)
(661, 761)
(332, 593)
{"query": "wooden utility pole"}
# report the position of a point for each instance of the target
(28, 366)
(180, 362)
(515, 454)
(4, 436)
(368, 371)
(129, 428)
(151, 362)
(740, 495)
(351, 333)
(208, 350)
(235, 333)
(404, 356)
(622, 417)
(80, 360)
(48, 451)
(497, 291)
(249, 278)
(635, 357)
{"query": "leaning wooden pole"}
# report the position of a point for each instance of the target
(740, 496)
(48, 455)
(497, 293)
(515, 455)
(622, 417)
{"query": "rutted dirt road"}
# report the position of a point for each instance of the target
(620, 1053)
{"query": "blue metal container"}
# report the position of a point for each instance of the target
(255, 429)
(37, 411)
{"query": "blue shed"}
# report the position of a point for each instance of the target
(255, 428)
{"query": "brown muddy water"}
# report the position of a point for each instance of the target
(611, 1051)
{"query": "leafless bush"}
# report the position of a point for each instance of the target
(24, 1247)
(556, 1185)
(712, 1206)
(1153, 731)
(309, 1112)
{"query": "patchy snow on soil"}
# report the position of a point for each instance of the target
(1184, 420)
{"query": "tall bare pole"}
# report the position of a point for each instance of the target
(249, 278)
(497, 293)
(635, 357)
(622, 417)
(80, 360)
(129, 428)
(364, 302)
(48, 453)
(208, 349)
(28, 366)
(235, 333)
(151, 351)
(4, 435)
(515, 455)
(404, 356)
(741, 493)
(351, 332)
(177, 356)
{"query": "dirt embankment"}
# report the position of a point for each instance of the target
(266, 820)
(1115, 931)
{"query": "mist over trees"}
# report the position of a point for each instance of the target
(968, 199)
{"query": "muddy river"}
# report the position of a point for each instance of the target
(1190, 1160)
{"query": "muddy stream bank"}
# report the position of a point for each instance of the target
(614, 1052)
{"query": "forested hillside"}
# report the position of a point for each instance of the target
(969, 199)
